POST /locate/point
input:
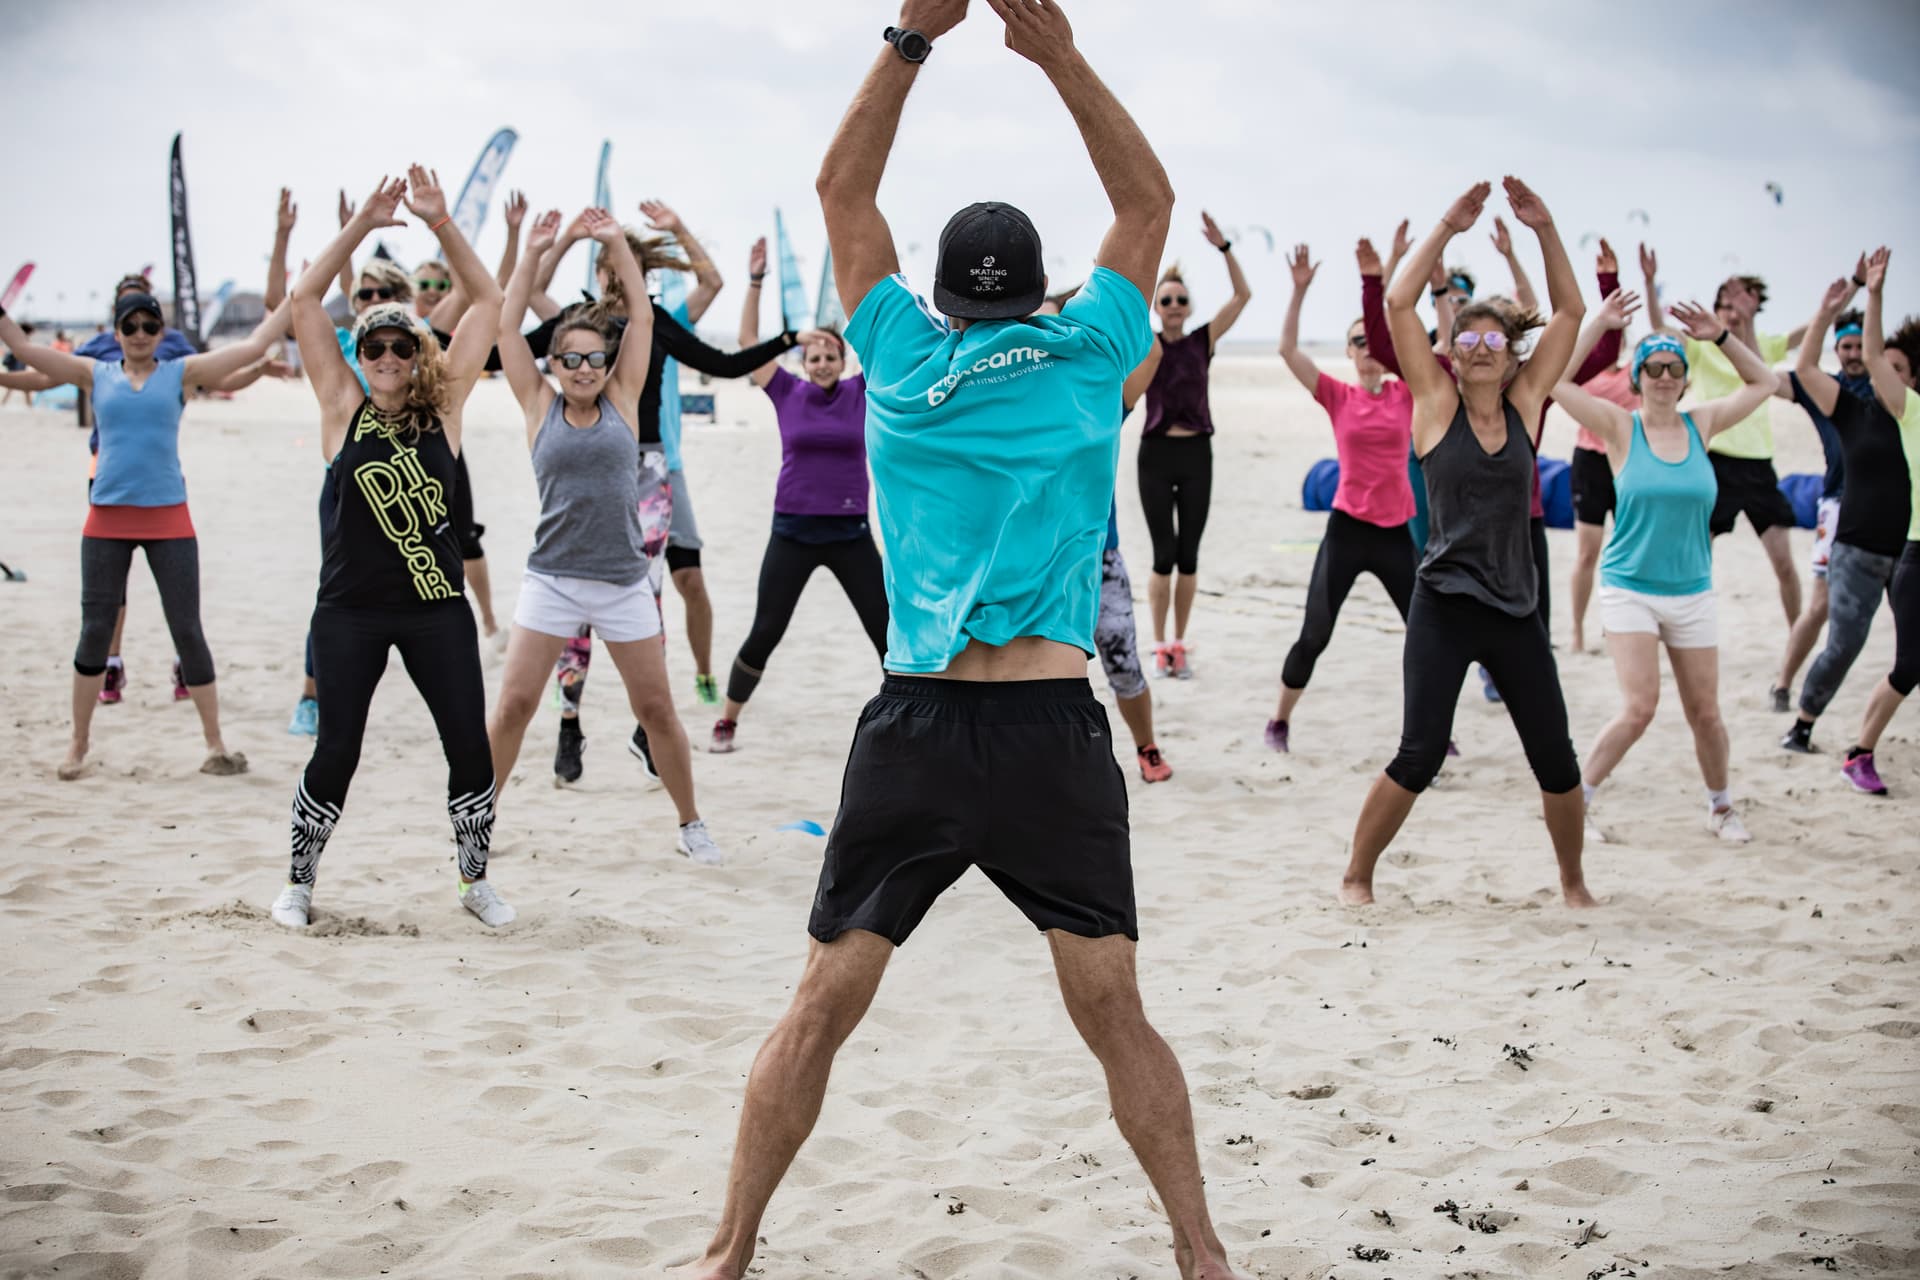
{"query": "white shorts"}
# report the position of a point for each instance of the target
(556, 606)
(1824, 527)
(1685, 622)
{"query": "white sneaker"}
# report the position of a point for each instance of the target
(294, 906)
(697, 843)
(1594, 833)
(480, 899)
(1726, 824)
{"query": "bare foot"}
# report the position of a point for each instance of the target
(1213, 1268)
(224, 764)
(1579, 644)
(708, 1269)
(1577, 897)
(1356, 893)
(75, 764)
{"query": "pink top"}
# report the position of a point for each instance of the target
(1615, 385)
(1372, 435)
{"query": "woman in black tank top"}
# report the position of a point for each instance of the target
(391, 574)
(1475, 596)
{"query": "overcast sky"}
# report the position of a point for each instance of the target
(1319, 121)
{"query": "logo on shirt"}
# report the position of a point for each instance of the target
(1012, 363)
(404, 500)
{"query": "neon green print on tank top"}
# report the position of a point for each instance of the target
(406, 502)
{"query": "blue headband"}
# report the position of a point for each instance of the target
(1461, 283)
(1656, 342)
(1848, 331)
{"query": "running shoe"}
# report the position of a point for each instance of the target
(1487, 685)
(697, 843)
(706, 690)
(480, 898)
(1162, 660)
(116, 682)
(180, 693)
(1861, 773)
(1453, 748)
(1799, 738)
(1594, 834)
(637, 744)
(566, 759)
(294, 907)
(722, 737)
(306, 718)
(1779, 697)
(1153, 765)
(1277, 735)
(1177, 654)
(1726, 824)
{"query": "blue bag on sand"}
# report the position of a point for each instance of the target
(1803, 495)
(1556, 492)
(1323, 480)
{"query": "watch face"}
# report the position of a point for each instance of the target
(913, 46)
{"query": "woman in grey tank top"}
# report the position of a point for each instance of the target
(1475, 597)
(589, 563)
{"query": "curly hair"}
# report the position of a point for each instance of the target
(1851, 316)
(1906, 339)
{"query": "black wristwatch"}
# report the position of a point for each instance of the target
(908, 43)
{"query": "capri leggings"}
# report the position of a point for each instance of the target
(1176, 488)
(439, 645)
(1350, 548)
(1447, 633)
(1114, 635)
(1906, 622)
(784, 571)
(1537, 531)
(175, 563)
(1856, 580)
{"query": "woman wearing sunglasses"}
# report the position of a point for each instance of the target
(138, 500)
(1475, 595)
(1656, 575)
(390, 573)
(1176, 449)
(1367, 528)
(589, 565)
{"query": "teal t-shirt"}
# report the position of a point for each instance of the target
(993, 451)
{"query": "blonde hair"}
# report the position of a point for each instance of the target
(444, 269)
(387, 273)
(1171, 274)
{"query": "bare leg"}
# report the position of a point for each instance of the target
(119, 626)
(788, 1082)
(1636, 662)
(1145, 1087)
(1183, 588)
(1696, 673)
(1881, 704)
(1566, 826)
(1805, 634)
(1780, 554)
(732, 710)
(1289, 698)
(523, 678)
(482, 587)
(86, 696)
(1381, 817)
(1588, 539)
(642, 665)
(692, 586)
(1159, 595)
(206, 700)
(1138, 713)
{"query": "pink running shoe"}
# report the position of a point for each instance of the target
(116, 684)
(722, 736)
(1153, 765)
(1861, 773)
(180, 693)
(1277, 735)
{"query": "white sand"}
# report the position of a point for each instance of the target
(1721, 1071)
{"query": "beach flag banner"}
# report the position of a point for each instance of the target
(470, 210)
(827, 312)
(793, 294)
(14, 286)
(186, 299)
(602, 199)
(218, 305)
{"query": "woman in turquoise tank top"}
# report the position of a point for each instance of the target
(1656, 575)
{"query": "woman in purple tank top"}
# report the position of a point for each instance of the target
(1176, 448)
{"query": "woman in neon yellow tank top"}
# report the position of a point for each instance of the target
(1656, 576)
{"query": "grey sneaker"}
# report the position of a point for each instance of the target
(294, 907)
(1726, 824)
(697, 843)
(480, 899)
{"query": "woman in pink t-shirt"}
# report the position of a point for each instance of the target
(1367, 528)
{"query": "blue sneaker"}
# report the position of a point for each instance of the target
(306, 718)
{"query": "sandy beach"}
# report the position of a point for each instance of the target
(1715, 1075)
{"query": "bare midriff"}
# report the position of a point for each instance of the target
(1024, 658)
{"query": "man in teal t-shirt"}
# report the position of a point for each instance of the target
(993, 443)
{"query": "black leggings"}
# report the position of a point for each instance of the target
(1906, 622)
(1538, 527)
(1350, 548)
(440, 646)
(175, 563)
(1447, 633)
(784, 571)
(1176, 488)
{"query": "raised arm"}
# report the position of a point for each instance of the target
(213, 368)
(289, 212)
(707, 280)
(333, 383)
(1137, 382)
(542, 301)
(1591, 362)
(1758, 380)
(1136, 185)
(516, 358)
(1887, 386)
(636, 345)
(348, 280)
(1302, 366)
(1821, 387)
(515, 212)
(1605, 419)
(1224, 318)
(1373, 306)
(1522, 287)
(1649, 273)
(1401, 243)
(1616, 313)
(473, 336)
(1418, 367)
(750, 309)
(1555, 344)
(61, 366)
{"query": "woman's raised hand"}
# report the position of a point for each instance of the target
(1605, 262)
(660, 217)
(546, 228)
(1402, 239)
(424, 196)
(1211, 230)
(1529, 208)
(599, 225)
(382, 208)
(515, 208)
(1836, 297)
(757, 258)
(288, 212)
(1502, 241)
(1465, 211)
(1301, 266)
(1367, 257)
(1876, 275)
(1699, 323)
(1618, 310)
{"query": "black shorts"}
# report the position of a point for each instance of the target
(1748, 485)
(1017, 778)
(1592, 477)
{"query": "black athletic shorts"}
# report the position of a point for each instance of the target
(1592, 477)
(1748, 485)
(1017, 778)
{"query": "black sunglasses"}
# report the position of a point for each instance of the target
(368, 295)
(1358, 342)
(574, 359)
(130, 326)
(1173, 300)
(403, 347)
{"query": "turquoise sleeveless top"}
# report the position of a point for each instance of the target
(1660, 544)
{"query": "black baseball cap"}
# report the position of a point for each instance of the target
(989, 266)
(128, 303)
